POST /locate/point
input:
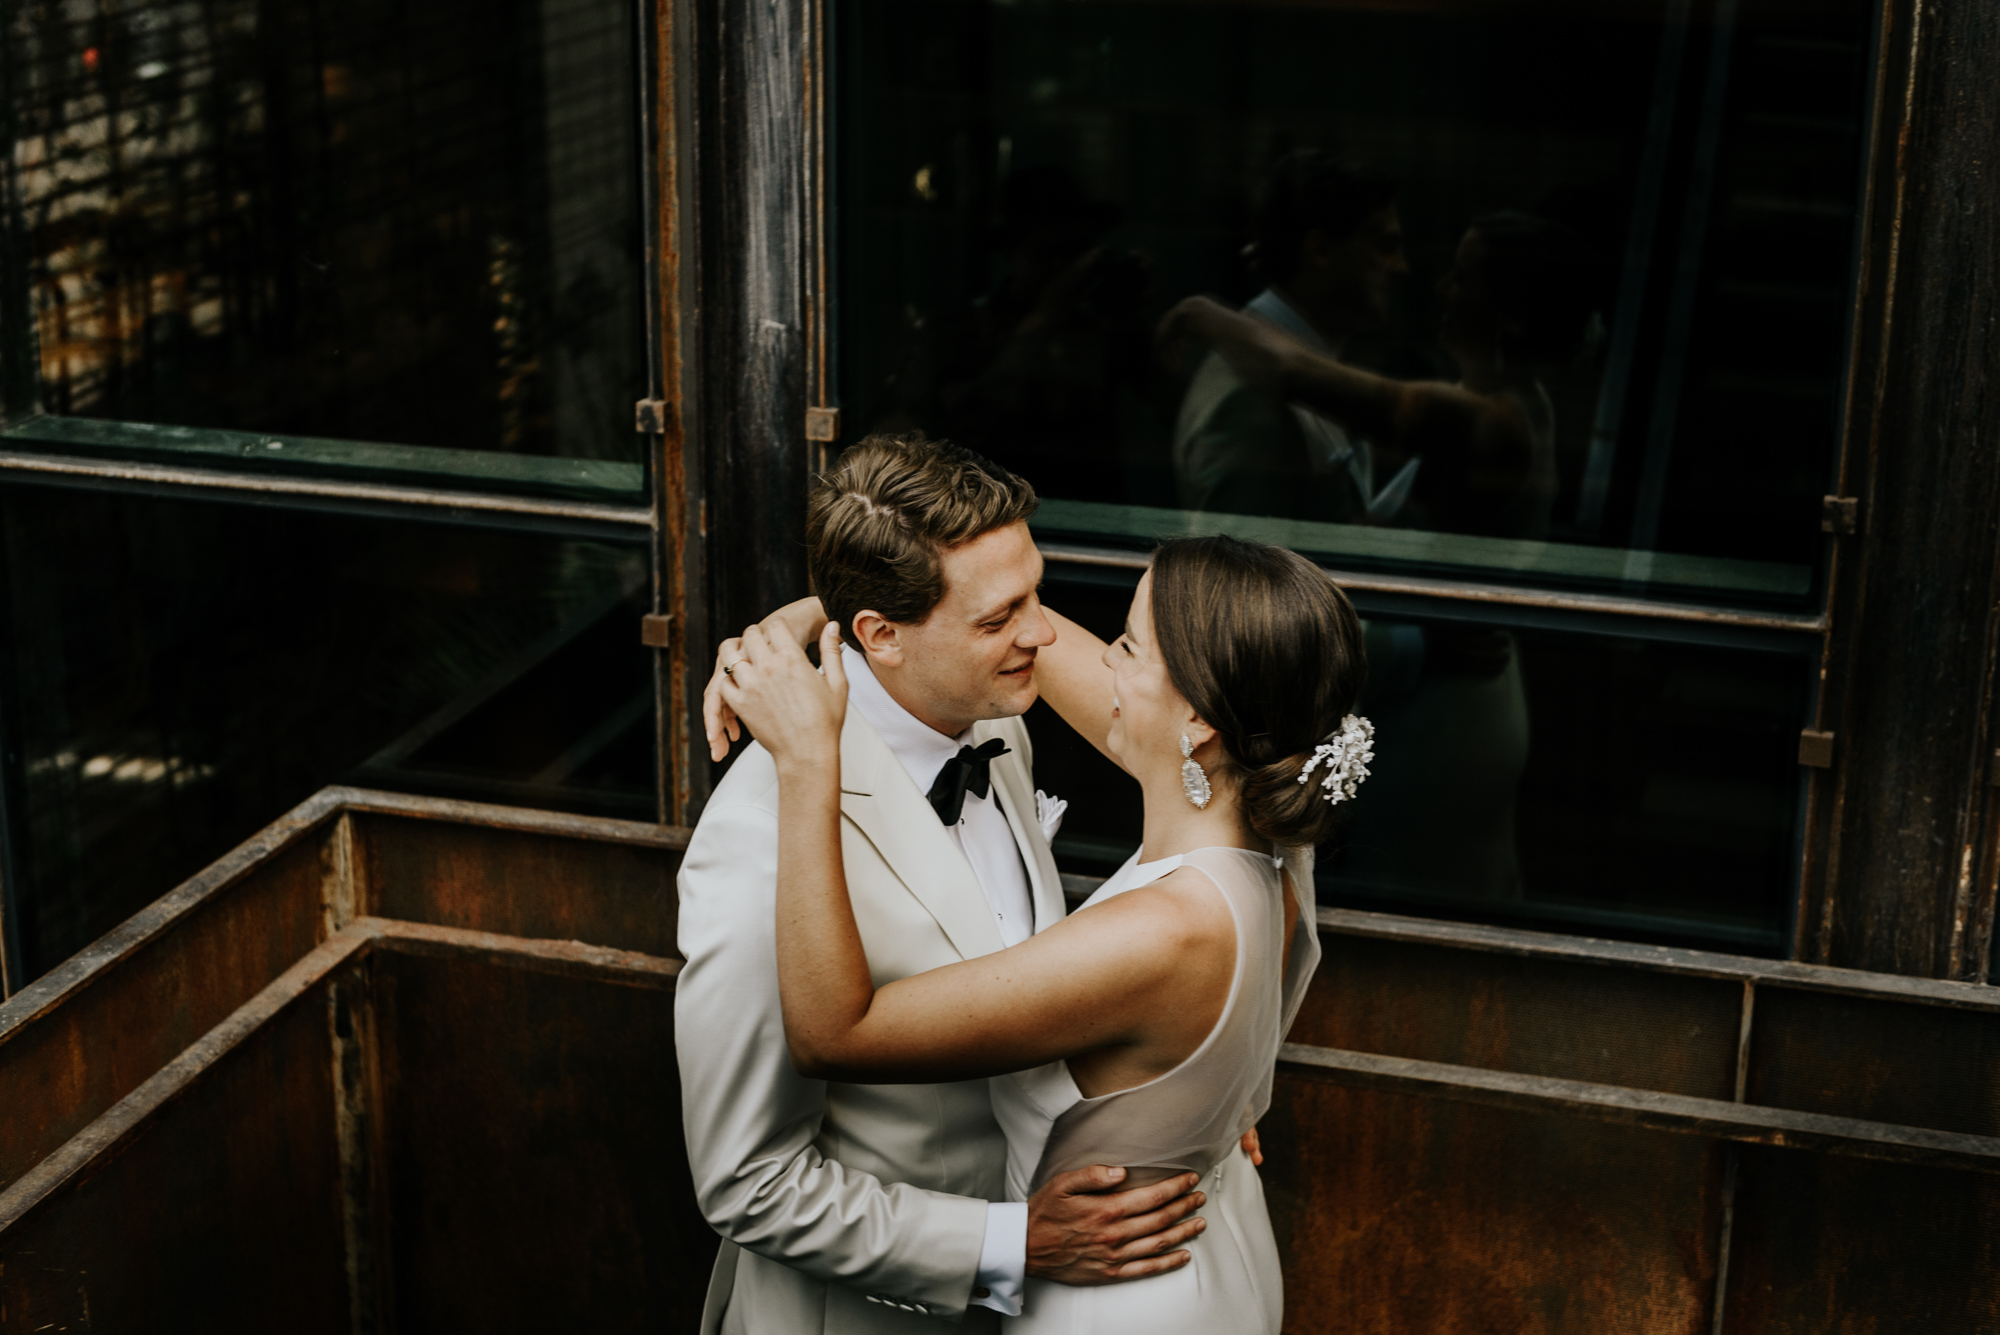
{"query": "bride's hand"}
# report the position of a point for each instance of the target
(805, 619)
(791, 708)
(719, 721)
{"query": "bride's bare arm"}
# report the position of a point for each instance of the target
(1411, 416)
(1073, 679)
(1099, 979)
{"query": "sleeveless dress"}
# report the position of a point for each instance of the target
(1191, 1119)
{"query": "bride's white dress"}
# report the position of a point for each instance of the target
(1190, 1119)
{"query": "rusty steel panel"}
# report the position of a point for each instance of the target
(219, 1214)
(1397, 1214)
(1858, 1057)
(93, 1030)
(1828, 1246)
(571, 959)
(520, 883)
(536, 1174)
(1672, 1033)
(1676, 1113)
(1479, 938)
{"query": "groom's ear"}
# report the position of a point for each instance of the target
(878, 637)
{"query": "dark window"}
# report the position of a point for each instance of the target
(1646, 323)
(357, 238)
(1604, 784)
(180, 673)
(1539, 295)
(377, 255)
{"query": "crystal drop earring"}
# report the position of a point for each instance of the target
(1194, 781)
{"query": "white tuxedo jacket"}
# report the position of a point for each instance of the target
(842, 1208)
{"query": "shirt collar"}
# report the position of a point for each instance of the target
(1283, 314)
(922, 748)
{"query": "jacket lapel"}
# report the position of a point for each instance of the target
(1014, 784)
(877, 795)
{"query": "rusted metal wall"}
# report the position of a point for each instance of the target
(466, 1115)
(532, 883)
(88, 1032)
(1561, 1135)
(219, 1211)
(1401, 1214)
(409, 1124)
(1828, 1244)
(1561, 1018)
(536, 1175)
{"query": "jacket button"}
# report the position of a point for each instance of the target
(982, 1292)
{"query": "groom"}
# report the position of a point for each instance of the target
(879, 1208)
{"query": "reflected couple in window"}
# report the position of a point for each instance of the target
(1277, 422)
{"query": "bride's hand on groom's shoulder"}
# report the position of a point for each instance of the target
(795, 710)
(805, 619)
(718, 720)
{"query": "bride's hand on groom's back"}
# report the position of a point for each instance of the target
(794, 710)
(1082, 1230)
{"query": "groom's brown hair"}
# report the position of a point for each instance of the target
(880, 520)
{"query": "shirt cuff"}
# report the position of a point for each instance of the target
(1003, 1259)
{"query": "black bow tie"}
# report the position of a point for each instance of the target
(968, 771)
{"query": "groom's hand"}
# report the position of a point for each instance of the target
(1083, 1231)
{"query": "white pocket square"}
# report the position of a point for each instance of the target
(1049, 813)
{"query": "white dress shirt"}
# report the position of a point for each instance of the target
(983, 835)
(982, 832)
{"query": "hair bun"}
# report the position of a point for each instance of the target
(1264, 646)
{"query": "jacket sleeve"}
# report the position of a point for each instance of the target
(751, 1119)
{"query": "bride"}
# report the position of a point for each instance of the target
(1142, 1030)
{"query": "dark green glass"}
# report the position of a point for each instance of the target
(1663, 194)
(1596, 784)
(178, 674)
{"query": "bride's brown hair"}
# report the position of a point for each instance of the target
(1268, 651)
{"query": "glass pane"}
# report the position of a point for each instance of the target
(313, 225)
(1537, 291)
(1623, 788)
(182, 673)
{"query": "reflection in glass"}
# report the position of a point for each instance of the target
(1330, 248)
(180, 674)
(1628, 228)
(363, 222)
(1625, 788)
(1621, 787)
